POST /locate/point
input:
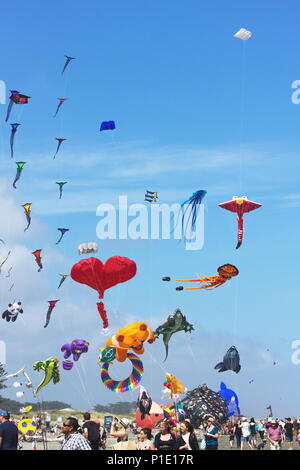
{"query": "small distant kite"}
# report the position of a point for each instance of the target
(107, 126)
(27, 209)
(14, 128)
(61, 102)
(63, 278)
(67, 62)
(16, 98)
(61, 185)
(60, 141)
(226, 272)
(4, 260)
(52, 304)
(19, 171)
(8, 272)
(240, 205)
(38, 259)
(62, 231)
(89, 247)
(243, 34)
(176, 322)
(151, 196)
(231, 361)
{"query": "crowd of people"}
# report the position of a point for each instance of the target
(244, 434)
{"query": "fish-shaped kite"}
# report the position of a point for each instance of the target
(17, 98)
(38, 259)
(60, 141)
(240, 205)
(52, 304)
(67, 62)
(27, 209)
(176, 322)
(62, 231)
(231, 361)
(14, 128)
(61, 102)
(19, 171)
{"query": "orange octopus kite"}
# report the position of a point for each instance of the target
(226, 272)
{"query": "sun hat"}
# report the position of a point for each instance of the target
(124, 421)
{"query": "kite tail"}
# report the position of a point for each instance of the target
(102, 313)
(48, 317)
(40, 267)
(12, 146)
(9, 110)
(59, 240)
(167, 351)
(17, 178)
(28, 218)
(240, 231)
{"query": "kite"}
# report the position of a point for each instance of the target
(231, 361)
(8, 272)
(176, 322)
(174, 385)
(16, 98)
(11, 314)
(85, 248)
(14, 128)
(144, 402)
(61, 184)
(107, 126)
(63, 278)
(202, 402)
(27, 427)
(26, 409)
(127, 384)
(27, 214)
(131, 337)
(11, 287)
(100, 277)
(4, 260)
(61, 102)
(76, 348)
(251, 381)
(226, 272)
(150, 420)
(62, 231)
(38, 259)
(240, 205)
(107, 355)
(60, 141)
(19, 171)
(151, 196)
(231, 399)
(51, 368)
(67, 62)
(52, 304)
(191, 205)
(243, 34)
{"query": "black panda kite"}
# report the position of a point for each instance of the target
(11, 314)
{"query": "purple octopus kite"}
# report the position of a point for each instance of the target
(76, 348)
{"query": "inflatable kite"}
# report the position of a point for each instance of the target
(38, 259)
(203, 402)
(190, 209)
(14, 128)
(226, 272)
(150, 420)
(176, 322)
(76, 348)
(51, 368)
(100, 277)
(15, 98)
(123, 385)
(61, 102)
(144, 403)
(62, 232)
(240, 205)
(52, 304)
(131, 337)
(11, 314)
(20, 166)
(231, 399)
(60, 141)
(231, 361)
(61, 185)
(107, 126)
(174, 385)
(67, 63)
(27, 210)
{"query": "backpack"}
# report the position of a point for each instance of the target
(93, 431)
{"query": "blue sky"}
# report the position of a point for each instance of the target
(195, 108)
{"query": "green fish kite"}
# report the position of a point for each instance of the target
(176, 322)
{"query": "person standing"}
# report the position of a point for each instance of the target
(8, 432)
(211, 435)
(274, 435)
(165, 440)
(144, 442)
(73, 439)
(289, 433)
(91, 431)
(252, 428)
(238, 433)
(187, 439)
(245, 426)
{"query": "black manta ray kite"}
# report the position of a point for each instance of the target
(231, 361)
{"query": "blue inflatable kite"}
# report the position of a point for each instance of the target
(231, 399)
